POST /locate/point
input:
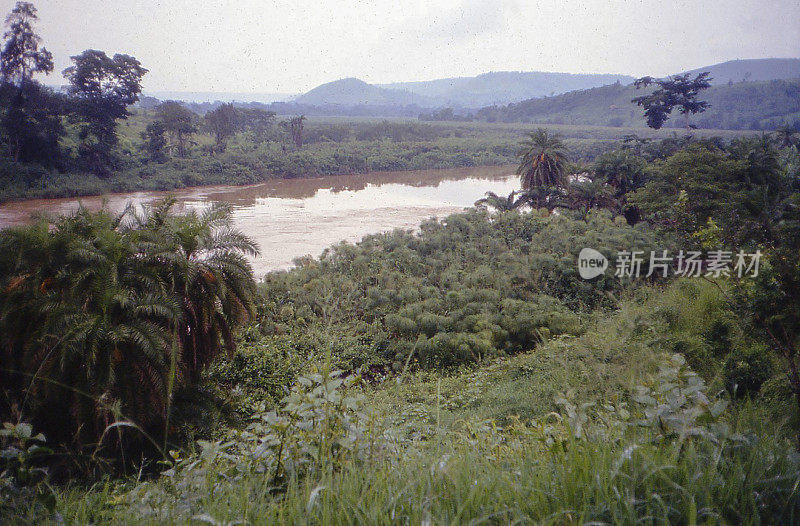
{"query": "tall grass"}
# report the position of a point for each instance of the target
(486, 480)
(598, 429)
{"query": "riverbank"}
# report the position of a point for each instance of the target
(329, 151)
(291, 218)
(245, 164)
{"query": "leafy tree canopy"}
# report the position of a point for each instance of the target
(680, 92)
(21, 56)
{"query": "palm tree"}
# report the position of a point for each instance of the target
(544, 161)
(499, 203)
(204, 262)
(585, 195)
(547, 197)
(102, 315)
(622, 169)
(95, 327)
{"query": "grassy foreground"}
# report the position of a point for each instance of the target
(605, 427)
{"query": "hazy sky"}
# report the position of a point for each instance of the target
(263, 46)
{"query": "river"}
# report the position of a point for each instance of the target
(289, 218)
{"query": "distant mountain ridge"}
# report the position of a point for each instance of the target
(503, 87)
(752, 70)
(755, 93)
(506, 87)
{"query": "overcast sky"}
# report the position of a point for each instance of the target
(263, 46)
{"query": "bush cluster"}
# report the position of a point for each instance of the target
(466, 288)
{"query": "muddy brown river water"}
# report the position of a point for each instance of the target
(290, 218)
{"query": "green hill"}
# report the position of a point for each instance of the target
(752, 70)
(355, 92)
(744, 105)
(502, 87)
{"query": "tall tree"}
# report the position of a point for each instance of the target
(680, 92)
(295, 126)
(21, 56)
(32, 120)
(259, 123)
(155, 141)
(544, 161)
(103, 88)
(223, 123)
(31, 124)
(178, 121)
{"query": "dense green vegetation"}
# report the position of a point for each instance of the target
(461, 292)
(466, 371)
(103, 318)
(567, 434)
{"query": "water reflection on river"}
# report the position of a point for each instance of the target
(296, 217)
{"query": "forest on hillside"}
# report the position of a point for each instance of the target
(764, 105)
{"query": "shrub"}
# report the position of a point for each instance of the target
(259, 372)
(746, 370)
(466, 288)
(24, 482)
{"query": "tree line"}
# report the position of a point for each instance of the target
(100, 90)
(36, 120)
